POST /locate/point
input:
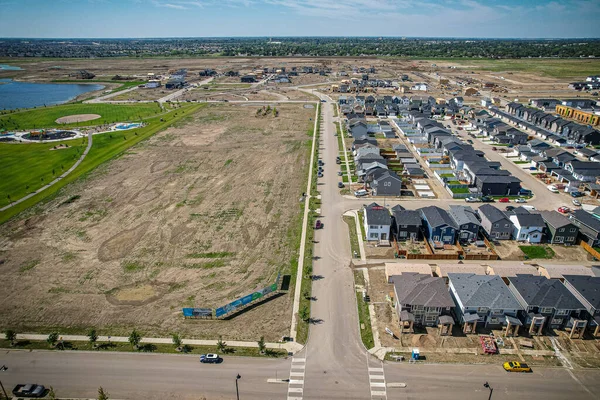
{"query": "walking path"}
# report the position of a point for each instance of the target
(64, 174)
(289, 346)
(296, 305)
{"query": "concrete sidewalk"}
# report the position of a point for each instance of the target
(288, 346)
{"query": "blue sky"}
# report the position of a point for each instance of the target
(194, 18)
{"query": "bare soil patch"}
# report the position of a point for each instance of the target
(70, 119)
(197, 216)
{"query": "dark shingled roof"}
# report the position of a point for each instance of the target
(555, 219)
(539, 291)
(423, 290)
(377, 215)
(587, 286)
(436, 216)
(491, 213)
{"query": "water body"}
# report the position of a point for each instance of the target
(28, 94)
(6, 67)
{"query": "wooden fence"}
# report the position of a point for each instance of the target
(590, 249)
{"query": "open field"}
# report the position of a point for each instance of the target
(104, 148)
(198, 215)
(28, 166)
(46, 117)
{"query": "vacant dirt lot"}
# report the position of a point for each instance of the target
(196, 216)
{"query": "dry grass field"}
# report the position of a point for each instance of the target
(197, 215)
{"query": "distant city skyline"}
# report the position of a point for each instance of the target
(280, 18)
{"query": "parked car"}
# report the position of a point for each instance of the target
(576, 203)
(318, 224)
(520, 200)
(210, 358)
(487, 199)
(494, 148)
(320, 162)
(515, 366)
(525, 192)
(340, 173)
(29, 390)
(504, 200)
(340, 184)
(564, 209)
(320, 174)
(509, 208)
(552, 188)
(577, 194)
(472, 200)
(469, 141)
(361, 192)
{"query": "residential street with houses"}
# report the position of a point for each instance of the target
(333, 365)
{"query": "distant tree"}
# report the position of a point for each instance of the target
(52, 339)
(304, 313)
(177, 341)
(102, 395)
(93, 337)
(11, 336)
(262, 347)
(135, 339)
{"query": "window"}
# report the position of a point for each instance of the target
(561, 230)
(482, 309)
(556, 321)
(571, 239)
(417, 308)
(403, 234)
(497, 311)
(523, 236)
(372, 226)
(562, 312)
(387, 184)
(430, 318)
(403, 226)
(546, 310)
(374, 236)
(506, 225)
(572, 229)
(496, 225)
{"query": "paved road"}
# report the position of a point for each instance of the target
(62, 176)
(144, 376)
(333, 365)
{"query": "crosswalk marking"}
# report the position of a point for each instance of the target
(376, 370)
(377, 384)
(296, 381)
(378, 393)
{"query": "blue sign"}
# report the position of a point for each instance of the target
(247, 299)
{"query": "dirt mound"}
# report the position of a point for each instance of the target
(135, 295)
(121, 244)
(70, 119)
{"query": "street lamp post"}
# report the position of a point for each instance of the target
(3, 368)
(487, 385)
(237, 392)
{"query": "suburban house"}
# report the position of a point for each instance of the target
(377, 222)
(387, 184)
(500, 183)
(559, 229)
(407, 224)
(466, 220)
(589, 226)
(547, 302)
(421, 299)
(495, 223)
(358, 129)
(528, 227)
(485, 300)
(587, 290)
(439, 226)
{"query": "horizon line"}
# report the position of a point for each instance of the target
(294, 36)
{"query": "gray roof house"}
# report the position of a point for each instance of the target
(421, 298)
(439, 226)
(587, 291)
(377, 222)
(466, 219)
(529, 227)
(546, 301)
(483, 299)
(387, 184)
(559, 229)
(407, 224)
(495, 223)
(588, 224)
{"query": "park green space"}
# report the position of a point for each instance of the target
(45, 117)
(28, 166)
(105, 147)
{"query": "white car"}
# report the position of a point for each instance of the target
(472, 200)
(210, 358)
(520, 201)
(576, 202)
(552, 188)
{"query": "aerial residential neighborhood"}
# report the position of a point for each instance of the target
(237, 201)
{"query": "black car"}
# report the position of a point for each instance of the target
(29, 390)
(487, 199)
(509, 208)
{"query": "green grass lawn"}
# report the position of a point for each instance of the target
(354, 247)
(460, 190)
(364, 319)
(537, 251)
(104, 148)
(27, 167)
(45, 117)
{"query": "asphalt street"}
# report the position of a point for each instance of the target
(333, 365)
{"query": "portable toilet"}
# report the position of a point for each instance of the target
(415, 354)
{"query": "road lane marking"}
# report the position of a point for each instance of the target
(294, 373)
(377, 384)
(376, 370)
(295, 390)
(296, 381)
(298, 360)
(378, 393)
